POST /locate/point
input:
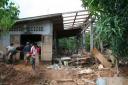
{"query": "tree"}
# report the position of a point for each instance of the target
(112, 24)
(8, 14)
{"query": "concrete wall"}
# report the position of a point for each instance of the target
(47, 48)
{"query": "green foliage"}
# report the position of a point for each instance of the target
(112, 25)
(8, 14)
(71, 43)
(68, 43)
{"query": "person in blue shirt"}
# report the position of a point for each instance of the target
(26, 51)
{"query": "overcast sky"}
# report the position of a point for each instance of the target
(29, 8)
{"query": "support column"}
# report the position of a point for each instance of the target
(77, 43)
(91, 38)
(83, 40)
(57, 46)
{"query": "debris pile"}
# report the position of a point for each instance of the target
(69, 71)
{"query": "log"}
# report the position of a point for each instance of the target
(101, 58)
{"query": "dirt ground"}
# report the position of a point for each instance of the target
(46, 75)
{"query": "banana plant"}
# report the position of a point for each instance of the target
(112, 23)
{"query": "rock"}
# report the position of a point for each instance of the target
(100, 67)
(87, 71)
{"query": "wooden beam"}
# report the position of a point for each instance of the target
(87, 23)
(101, 58)
(74, 19)
(88, 18)
(85, 27)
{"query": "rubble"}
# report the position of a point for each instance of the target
(54, 66)
(57, 74)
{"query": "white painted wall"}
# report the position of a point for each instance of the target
(5, 39)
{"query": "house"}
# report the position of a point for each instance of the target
(46, 30)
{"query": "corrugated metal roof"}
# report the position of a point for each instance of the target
(38, 17)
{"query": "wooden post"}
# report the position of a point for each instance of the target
(56, 44)
(91, 37)
(77, 43)
(83, 40)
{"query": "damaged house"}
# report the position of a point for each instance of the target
(45, 30)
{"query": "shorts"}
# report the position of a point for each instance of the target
(32, 60)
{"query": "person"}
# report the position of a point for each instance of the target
(39, 52)
(26, 51)
(11, 51)
(34, 55)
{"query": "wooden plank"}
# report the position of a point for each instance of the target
(101, 58)
(74, 19)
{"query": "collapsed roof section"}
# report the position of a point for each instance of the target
(74, 22)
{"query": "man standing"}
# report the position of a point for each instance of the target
(11, 51)
(26, 51)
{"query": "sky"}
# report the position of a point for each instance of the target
(30, 8)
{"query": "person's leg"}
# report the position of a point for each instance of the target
(11, 59)
(37, 60)
(33, 63)
(25, 59)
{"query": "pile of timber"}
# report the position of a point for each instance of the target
(76, 59)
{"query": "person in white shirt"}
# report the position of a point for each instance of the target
(11, 50)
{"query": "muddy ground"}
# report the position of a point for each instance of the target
(47, 75)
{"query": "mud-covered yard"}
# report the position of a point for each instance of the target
(53, 75)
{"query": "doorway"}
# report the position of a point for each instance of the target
(31, 38)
